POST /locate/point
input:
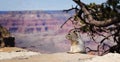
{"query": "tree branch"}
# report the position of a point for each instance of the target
(90, 20)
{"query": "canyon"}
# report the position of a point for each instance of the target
(40, 31)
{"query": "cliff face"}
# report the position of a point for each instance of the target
(38, 30)
(33, 21)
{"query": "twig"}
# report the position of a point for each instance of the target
(65, 22)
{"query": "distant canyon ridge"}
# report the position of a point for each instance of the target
(38, 30)
(33, 21)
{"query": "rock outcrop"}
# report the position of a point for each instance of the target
(5, 38)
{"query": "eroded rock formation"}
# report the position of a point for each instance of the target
(5, 38)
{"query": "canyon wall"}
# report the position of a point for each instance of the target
(38, 30)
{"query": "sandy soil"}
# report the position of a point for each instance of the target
(56, 57)
(10, 49)
(59, 57)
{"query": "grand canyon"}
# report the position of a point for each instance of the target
(40, 30)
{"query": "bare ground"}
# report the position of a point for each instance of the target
(55, 57)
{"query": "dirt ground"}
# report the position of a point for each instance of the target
(55, 57)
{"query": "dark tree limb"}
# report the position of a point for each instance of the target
(73, 8)
(66, 22)
(90, 20)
